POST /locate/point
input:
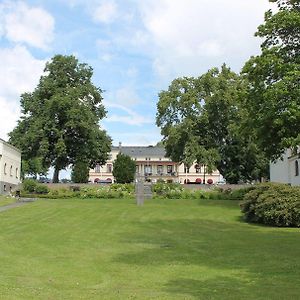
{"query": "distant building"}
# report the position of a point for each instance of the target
(286, 170)
(152, 164)
(10, 167)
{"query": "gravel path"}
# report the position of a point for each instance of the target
(21, 202)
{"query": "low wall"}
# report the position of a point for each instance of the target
(212, 186)
(187, 186)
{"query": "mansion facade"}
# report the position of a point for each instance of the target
(153, 165)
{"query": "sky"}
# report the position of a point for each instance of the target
(135, 47)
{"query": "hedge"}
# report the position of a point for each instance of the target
(273, 204)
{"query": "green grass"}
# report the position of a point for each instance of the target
(167, 249)
(6, 200)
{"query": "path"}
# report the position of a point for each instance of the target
(21, 202)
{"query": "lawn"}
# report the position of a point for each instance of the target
(167, 249)
(6, 200)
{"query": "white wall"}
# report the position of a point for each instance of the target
(10, 164)
(283, 170)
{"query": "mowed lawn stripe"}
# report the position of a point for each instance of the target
(167, 249)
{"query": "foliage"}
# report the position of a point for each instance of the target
(29, 185)
(177, 191)
(273, 96)
(59, 124)
(200, 119)
(80, 172)
(32, 186)
(124, 169)
(113, 191)
(273, 204)
(41, 189)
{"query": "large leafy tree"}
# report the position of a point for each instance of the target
(273, 99)
(59, 125)
(124, 169)
(200, 119)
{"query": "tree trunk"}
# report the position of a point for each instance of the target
(56, 175)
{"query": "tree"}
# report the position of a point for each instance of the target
(273, 99)
(200, 119)
(80, 172)
(124, 169)
(59, 124)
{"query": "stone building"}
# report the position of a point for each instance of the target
(10, 167)
(152, 164)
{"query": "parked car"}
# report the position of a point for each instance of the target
(44, 180)
(220, 182)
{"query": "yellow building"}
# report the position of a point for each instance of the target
(152, 164)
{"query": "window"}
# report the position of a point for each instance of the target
(160, 169)
(198, 168)
(5, 169)
(17, 173)
(4, 187)
(186, 169)
(109, 168)
(148, 169)
(97, 169)
(169, 169)
(10, 171)
(296, 168)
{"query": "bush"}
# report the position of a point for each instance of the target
(168, 190)
(41, 189)
(273, 204)
(29, 185)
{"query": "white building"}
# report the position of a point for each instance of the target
(10, 167)
(152, 163)
(286, 169)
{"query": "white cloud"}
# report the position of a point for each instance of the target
(189, 37)
(106, 12)
(21, 23)
(140, 138)
(131, 117)
(19, 73)
(9, 114)
(127, 96)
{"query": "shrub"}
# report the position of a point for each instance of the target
(74, 188)
(41, 189)
(29, 185)
(273, 204)
(239, 194)
(168, 190)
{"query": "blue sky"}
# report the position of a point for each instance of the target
(136, 47)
